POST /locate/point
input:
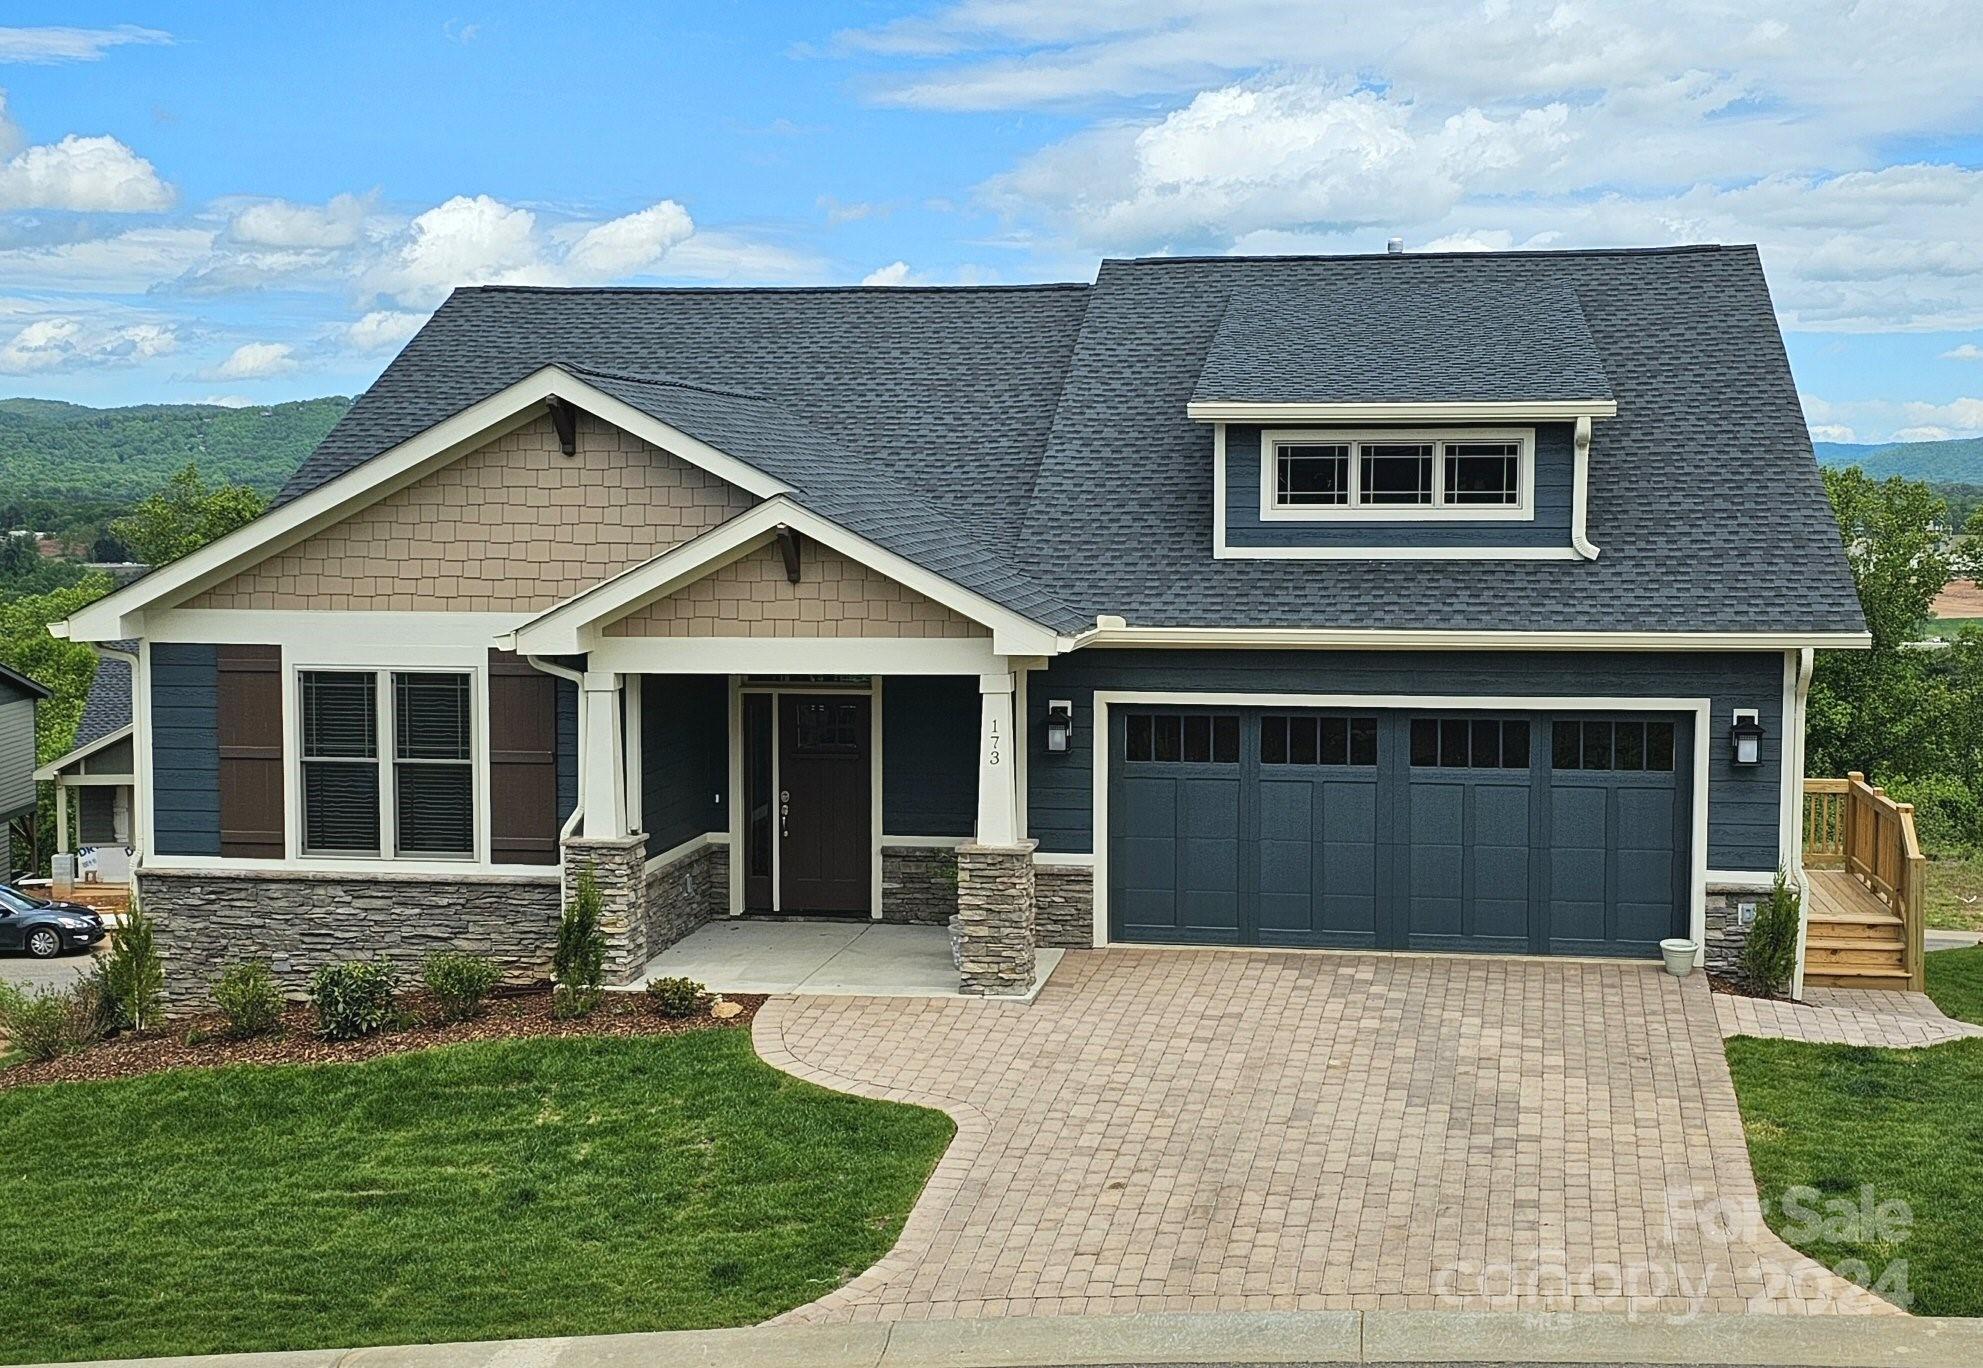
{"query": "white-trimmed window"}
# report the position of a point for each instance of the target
(1485, 473)
(388, 763)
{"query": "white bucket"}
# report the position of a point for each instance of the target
(1679, 955)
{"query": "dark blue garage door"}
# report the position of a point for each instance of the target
(1513, 832)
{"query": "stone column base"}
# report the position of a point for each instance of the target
(619, 868)
(993, 935)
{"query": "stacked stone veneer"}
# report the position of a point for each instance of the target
(835, 597)
(993, 935)
(1723, 948)
(643, 912)
(1064, 905)
(515, 525)
(686, 893)
(299, 922)
(918, 885)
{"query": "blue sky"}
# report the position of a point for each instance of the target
(260, 202)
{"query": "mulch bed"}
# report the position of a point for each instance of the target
(1735, 987)
(198, 1042)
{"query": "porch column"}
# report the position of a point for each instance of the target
(61, 819)
(615, 858)
(993, 936)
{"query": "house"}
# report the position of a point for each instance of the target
(1401, 602)
(18, 697)
(98, 775)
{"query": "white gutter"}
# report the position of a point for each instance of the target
(578, 682)
(1580, 493)
(1800, 701)
(1112, 631)
(1447, 411)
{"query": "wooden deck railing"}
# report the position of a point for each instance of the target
(1852, 825)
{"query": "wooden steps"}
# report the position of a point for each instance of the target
(1852, 939)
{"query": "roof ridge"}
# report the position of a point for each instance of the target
(1674, 249)
(667, 381)
(1009, 288)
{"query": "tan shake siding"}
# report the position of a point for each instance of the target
(514, 526)
(835, 597)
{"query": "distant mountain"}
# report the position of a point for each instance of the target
(1956, 461)
(50, 449)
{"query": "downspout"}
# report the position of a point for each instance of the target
(1580, 492)
(578, 683)
(1806, 658)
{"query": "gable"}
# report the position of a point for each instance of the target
(836, 596)
(512, 526)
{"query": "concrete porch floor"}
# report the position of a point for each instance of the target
(840, 958)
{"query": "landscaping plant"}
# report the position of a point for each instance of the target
(46, 1022)
(352, 999)
(580, 961)
(675, 997)
(1769, 954)
(247, 996)
(132, 976)
(459, 982)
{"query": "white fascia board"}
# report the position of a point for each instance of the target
(314, 629)
(1554, 411)
(1429, 640)
(572, 626)
(119, 614)
(47, 772)
(1376, 553)
(784, 655)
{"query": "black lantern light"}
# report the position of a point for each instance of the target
(1060, 725)
(1745, 737)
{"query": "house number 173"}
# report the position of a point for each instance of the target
(992, 740)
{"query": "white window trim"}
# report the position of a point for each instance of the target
(388, 856)
(1273, 439)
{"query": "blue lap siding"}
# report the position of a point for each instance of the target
(929, 755)
(1743, 802)
(185, 749)
(684, 758)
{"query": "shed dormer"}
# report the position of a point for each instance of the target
(1412, 421)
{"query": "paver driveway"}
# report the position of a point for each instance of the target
(1194, 1130)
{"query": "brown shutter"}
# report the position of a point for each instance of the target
(523, 762)
(250, 718)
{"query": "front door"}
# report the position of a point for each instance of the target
(825, 845)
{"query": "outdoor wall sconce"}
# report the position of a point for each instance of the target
(1060, 725)
(1745, 737)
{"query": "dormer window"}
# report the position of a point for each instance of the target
(1452, 474)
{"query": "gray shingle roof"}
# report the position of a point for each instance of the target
(108, 706)
(1408, 340)
(1033, 442)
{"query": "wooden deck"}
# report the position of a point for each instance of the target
(1864, 916)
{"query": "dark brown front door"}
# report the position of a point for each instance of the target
(825, 845)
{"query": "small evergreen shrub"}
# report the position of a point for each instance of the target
(48, 1022)
(580, 961)
(1769, 953)
(247, 996)
(352, 999)
(675, 997)
(459, 982)
(131, 976)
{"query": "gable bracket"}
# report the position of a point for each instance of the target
(564, 417)
(788, 547)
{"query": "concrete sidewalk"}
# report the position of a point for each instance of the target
(1278, 1337)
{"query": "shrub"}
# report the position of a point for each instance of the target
(48, 1022)
(132, 978)
(248, 997)
(1769, 953)
(674, 997)
(580, 961)
(1948, 813)
(352, 999)
(459, 982)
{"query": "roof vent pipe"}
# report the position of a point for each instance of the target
(1395, 246)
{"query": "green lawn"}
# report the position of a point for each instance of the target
(1906, 1123)
(490, 1191)
(1955, 894)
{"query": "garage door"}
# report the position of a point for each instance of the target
(1512, 832)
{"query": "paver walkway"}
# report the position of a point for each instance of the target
(1844, 1016)
(1168, 1130)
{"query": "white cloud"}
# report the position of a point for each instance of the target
(64, 343)
(1960, 416)
(283, 224)
(626, 246)
(126, 263)
(63, 44)
(1922, 434)
(380, 329)
(255, 361)
(1832, 432)
(228, 401)
(86, 175)
(894, 273)
(1968, 351)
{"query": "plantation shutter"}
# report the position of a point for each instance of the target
(249, 714)
(523, 762)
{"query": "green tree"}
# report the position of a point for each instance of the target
(1899, 560)
(66, 667)
(184, 516)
